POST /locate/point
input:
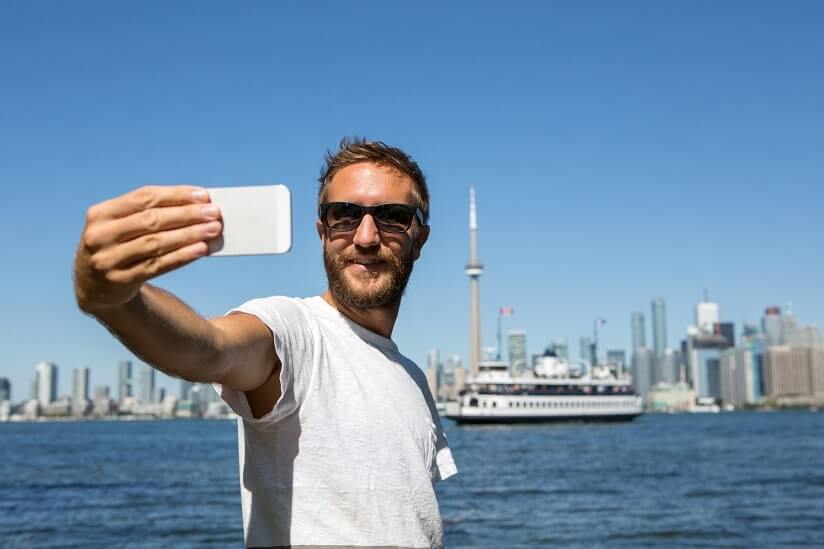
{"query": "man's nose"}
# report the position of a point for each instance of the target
(367, 233)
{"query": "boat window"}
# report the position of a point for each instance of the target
(473, 402)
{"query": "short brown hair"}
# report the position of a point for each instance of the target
(353, 150)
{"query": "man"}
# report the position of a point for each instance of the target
(339, 439)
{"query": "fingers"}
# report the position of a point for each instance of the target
(154, 220)
(156, 266)
(146, 198)
(154, 245)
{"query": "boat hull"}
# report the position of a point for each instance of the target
(478, 420)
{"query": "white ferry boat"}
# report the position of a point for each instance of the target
(547, 393)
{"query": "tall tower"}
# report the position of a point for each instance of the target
(638, 334)
(474, 270)
(659, 327)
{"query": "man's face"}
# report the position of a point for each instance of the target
(367, 267)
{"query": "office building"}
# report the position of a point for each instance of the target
(146, 385)
(793, 371)
(668, 367)
(560, 348)
(5, 389)
(46, 383)
(617, 357)
(740, 377)
(185, 390)
(80, 391)
(749, 330)
(704, 362)
(642, 368)
(432, 382)
(124, 377)
(727, 331)
(517, 352)
(706, 315)
(773, 326)
(587, 350)
(659, 327)
(639, 339)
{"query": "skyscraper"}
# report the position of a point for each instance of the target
(81, 385)
(706, 315)
(585, 350)
(639, 338)
(474, 270)
(727, 331)
(773, 326)
(659, 327)
(46, 383)
(5, 389)
(147, 384)
(643, 364)
(517, 352)
(124, 383)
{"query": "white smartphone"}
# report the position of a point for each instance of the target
(256, 220)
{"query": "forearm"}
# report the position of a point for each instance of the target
(166, 333)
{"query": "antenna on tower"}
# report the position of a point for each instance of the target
(706, 295)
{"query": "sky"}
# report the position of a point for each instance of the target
(620, 152)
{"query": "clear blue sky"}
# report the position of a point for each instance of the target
(621, 151)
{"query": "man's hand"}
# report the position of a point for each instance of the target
(140, 235)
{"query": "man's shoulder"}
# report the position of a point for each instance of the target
(289, 308)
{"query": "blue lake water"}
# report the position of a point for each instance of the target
(722, 480)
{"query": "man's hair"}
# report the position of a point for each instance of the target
(354, 150)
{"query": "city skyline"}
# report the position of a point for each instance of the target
(615, 157)
(140, 381)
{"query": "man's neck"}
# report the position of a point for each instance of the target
(380, 320)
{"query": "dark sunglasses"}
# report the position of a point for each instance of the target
(390, 218)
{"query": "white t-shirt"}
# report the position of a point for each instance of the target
(349, 454)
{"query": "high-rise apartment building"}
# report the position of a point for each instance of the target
(5, 389)
(773, 326)
(517, 352)
(659, 327)
(639, 338)
(80, 392)
(124, 379)
(46, 382)
(643, 375)
(794, 371)
(668, 366)
(146, 384)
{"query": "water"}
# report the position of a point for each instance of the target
(725, 480)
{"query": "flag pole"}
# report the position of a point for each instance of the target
(500, 343)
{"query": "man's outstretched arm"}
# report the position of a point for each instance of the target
(153, 230)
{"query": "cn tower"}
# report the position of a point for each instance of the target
(474, 270)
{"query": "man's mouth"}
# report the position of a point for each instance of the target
(366, 263)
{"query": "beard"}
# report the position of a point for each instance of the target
(369, 289)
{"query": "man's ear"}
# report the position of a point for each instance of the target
(420, 240)
(319, 227)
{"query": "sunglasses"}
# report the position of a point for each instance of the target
(390, 218)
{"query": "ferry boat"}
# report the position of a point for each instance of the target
(549, 392)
